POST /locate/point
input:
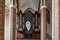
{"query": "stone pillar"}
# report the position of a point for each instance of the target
(12, 20)
(43, 24)
(55, 20)
(43, 20)
(2, 12)
(14, 23)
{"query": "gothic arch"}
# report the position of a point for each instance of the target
(29, 9)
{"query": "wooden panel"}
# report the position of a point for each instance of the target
(34, 35)
(20, 35)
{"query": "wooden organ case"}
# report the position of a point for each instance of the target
(29, 24)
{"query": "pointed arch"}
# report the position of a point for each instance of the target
(29, 9)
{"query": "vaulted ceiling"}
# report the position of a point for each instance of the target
(24, 4)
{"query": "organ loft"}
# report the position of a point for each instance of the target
(29, 20)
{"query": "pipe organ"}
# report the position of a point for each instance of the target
(29, 23)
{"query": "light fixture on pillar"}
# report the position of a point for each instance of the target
(11, 5)
(43, 6)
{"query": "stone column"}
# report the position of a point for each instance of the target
(43, 20)
(2, 12)
(43, 24)
(12, 20)
(55, 20)
(14, 23)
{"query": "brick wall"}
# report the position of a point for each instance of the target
(2, 19)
